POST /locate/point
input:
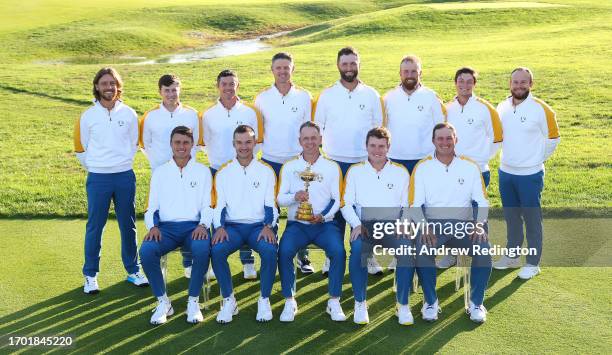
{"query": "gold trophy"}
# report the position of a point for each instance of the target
(304, 212)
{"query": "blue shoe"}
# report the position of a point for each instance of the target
(138, 279)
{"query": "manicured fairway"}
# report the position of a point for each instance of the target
(42, 196)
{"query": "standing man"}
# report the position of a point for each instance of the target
(375, 183)
(322, 230)
(346, 111)
(179, 214)
(531, 135)
(445, 186)
(105, 141)
(218, 124)
(245, 214)
(284, 107)
(412, 111)
(157, 124)
(478, 125)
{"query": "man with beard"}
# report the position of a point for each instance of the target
(284, 108)
(346, 111)
(105, 141)
(531, 135)
(412, 111)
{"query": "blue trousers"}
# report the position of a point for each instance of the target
(246, 254)
(404, 271)
(409, 164)
(302, 253)
(101, 189)
(338, 218)
(238, 235)
(521, 199)
(326, 236)
(480, 269)
(175, 235)
(486, 176)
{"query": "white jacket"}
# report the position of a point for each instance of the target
(157, 124)
(106, 141)
(180, 194)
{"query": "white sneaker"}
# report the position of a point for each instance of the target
(289, 311)
(249, 272)
(374, 267)
(430, 311)
(210, 274)
(138, 279)
(188, 272)
(325, 267)
(91, 285)
(506, 262)
(228, 310)
(528, 271)
(305, 266)
(446, 261)
(404, 316)
(478, 314)
(194, 314)
(264, 310)
(392, 264)
(161, 312)
(360, 316)
(335, 310)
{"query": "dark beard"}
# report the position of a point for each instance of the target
(409, 86)
(521, 97)
(349, 79)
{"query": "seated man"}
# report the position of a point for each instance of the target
(376, 183)
(179, 214)
(446, 187)
(322, 230)
(245, 213)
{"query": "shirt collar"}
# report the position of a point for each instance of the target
(163, 108)
(277, 92)
(357, 88)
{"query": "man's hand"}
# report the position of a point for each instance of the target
(301, 196)
(318, 218)
(267, 234)
(154, 234)
(220, 236)
(200, 233)
(356, 232)
(429, 239)
(477, 237)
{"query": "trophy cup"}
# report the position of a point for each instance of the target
(304, 212)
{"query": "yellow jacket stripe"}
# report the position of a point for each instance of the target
(411, 185)
(551, 121)
(496, 123)
(78, 145)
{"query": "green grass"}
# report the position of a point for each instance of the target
(567, 47)
(563, 310)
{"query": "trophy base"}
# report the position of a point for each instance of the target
(304, 212)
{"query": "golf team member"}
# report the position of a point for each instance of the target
(284, 107)
(179, 214)
(346, 111)
(445, 185)
(375, 182)
(157, 124)
(478, 125)
(412, 111)
(531, 135)
(218, 124)
(105, 141)
(323, 231)
(245, 214)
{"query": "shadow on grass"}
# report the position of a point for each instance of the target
(117, 320)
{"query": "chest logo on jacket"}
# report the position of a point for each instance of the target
(294, 109)
(121, 123)
(523, 119)
(361, 107)
(461, 181)
(420, 107)
(470, 121)
(193, 184)
(390, 186)
(255, 184)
